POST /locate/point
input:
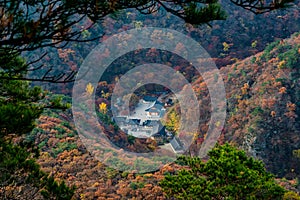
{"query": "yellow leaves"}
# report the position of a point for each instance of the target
(225, 46)
(85, 34)
(170, 35)
(281, 64)
(128, 14)
(254, 44)
(172, 122)
(82, 196)
(195, 136)
(296, 153)
(246, 85)
(238, 96)
(105, 95)
(103, 108)
(138, 24)
(148, 175)
(234, 59)
(89, 89)
(96, 184)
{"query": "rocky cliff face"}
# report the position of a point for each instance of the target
(263, 94)
(263, 106)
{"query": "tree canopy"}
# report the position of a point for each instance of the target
(20, 175)
(29, 25)
(228, 174)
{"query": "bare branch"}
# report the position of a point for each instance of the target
(262, 6)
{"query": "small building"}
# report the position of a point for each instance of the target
(177, 145)
(144, 121)
(156, 109)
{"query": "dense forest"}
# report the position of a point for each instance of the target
(46, 154)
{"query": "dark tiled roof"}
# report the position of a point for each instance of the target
(176, 144)
(155, 108)
(149, 98)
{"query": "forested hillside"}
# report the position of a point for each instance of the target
(262, 119)
(242, 34)
(263, 105)
(256, 48)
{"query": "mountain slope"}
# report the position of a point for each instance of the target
(263, 94)
(262, 117)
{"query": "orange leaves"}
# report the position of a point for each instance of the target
(167, 169)
(277, 83)
(64, 54)
(50, 119)
(282, 90)
(5, 20)
(291, 110)
(245, 88)
(291, 106)
(268, 103)
(273, 113)
(243, 104)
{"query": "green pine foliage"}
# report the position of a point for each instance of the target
(205, 14)
(22, 178)
(228, 174)
(20, 106)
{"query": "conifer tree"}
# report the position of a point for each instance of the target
(228, 174)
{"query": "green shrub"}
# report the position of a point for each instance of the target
(257, 111)
(42, 144)
(135, 185)
(291, 57)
